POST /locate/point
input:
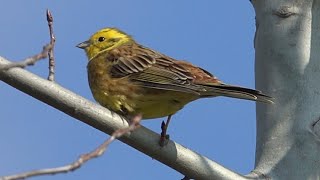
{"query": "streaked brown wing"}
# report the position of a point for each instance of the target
(155, 70)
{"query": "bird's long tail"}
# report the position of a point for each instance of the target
(236, 92)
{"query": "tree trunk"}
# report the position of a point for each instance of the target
(287, 45)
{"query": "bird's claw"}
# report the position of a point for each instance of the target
(164, 138)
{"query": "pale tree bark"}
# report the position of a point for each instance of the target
(287, 45)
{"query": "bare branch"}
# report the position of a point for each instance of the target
(83, 158)
(29, 61)
(174, 155)
(52, 42)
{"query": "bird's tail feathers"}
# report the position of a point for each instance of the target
(237, 92)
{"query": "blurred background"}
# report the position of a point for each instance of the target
(216, 35)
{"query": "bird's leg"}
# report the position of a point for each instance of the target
(164, 136)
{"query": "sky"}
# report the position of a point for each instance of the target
(215, 35)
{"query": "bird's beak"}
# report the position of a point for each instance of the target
(84, 44)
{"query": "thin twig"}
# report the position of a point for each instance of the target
(47, 51)
(29, 61)
(52, 42)
(135, 123)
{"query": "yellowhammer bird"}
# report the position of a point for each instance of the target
(131, 79)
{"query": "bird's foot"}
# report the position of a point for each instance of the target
(164, 138)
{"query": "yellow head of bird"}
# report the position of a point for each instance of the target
(104, 40)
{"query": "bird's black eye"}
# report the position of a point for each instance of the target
(101, 39)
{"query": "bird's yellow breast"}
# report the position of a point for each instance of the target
(113, 93)
(124, 96)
